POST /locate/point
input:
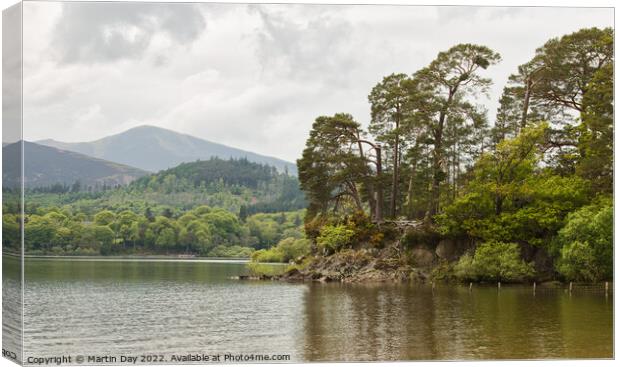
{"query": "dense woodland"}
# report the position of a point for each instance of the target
(539, 176)
(221, 208)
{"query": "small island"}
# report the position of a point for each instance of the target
(431, 192)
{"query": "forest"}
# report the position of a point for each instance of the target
(216, 208)
(536, 180)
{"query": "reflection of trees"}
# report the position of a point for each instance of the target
(401, 322)
(585, 323)
(138, 272)
(369, 322)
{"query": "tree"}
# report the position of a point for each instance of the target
(511, 197)
(163, 233)
(105, 218)
(195, 235)
(39, 232)
(554, 85)
(568, 64)
(224, 226)
(243, 213)
(104, 237)
(11, 231)
(388, 101)
(443, 85)
(333, 167)
(597, 131)
(125, 224)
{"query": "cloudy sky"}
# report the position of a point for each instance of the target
(249, 76)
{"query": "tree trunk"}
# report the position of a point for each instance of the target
(436, 169)
(379, 187)
(454, 170)
(370, 186)
(526, 102)
(499, 203)
(395, 173)
(437, 156)
(356, 196)
(410, 191)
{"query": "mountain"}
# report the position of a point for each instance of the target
(223, 183)
(46, 166)
(153, 149)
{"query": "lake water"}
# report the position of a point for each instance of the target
(180, 307)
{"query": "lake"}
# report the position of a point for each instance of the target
(91, 307)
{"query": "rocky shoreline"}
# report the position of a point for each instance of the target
(421, 263)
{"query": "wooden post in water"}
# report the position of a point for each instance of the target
(470, 285)
(499, 285)
(570, 287)
(606, 288)
(534, 287)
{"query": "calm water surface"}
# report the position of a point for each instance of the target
(180, 307)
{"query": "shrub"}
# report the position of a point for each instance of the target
(494, 261)
(292, 248)
(333, 238)
(231, 251)
(286, 250)
(258, 269)
(272, 255)
(578, 262)
(586, 243)
(465, 268)
(363, 227)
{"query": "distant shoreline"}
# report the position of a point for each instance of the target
(134, 257)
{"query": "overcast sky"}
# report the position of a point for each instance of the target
(249, 76)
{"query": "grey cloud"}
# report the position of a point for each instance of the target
(103, 32)
(320, 47)
(11, 74)
(259, 77)
(475, 14)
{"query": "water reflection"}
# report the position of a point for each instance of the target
(401, 322)
(109, 307)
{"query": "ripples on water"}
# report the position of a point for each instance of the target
(116, 308)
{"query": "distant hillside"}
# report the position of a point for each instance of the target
(257, 187)
(154, 149)
(47, 166)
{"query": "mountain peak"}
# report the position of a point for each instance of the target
(46, 165)
(155, 148)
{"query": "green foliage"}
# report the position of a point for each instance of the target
(231, 251)
(104, 218)
(287, 249)
(596, 139)
(334, 237)
(292, 248)
(203, 231)
(260, 269)
(227, 184)
(494, 261)
(586, 243)
(331, 168)
(512, 198)
(267, 229)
